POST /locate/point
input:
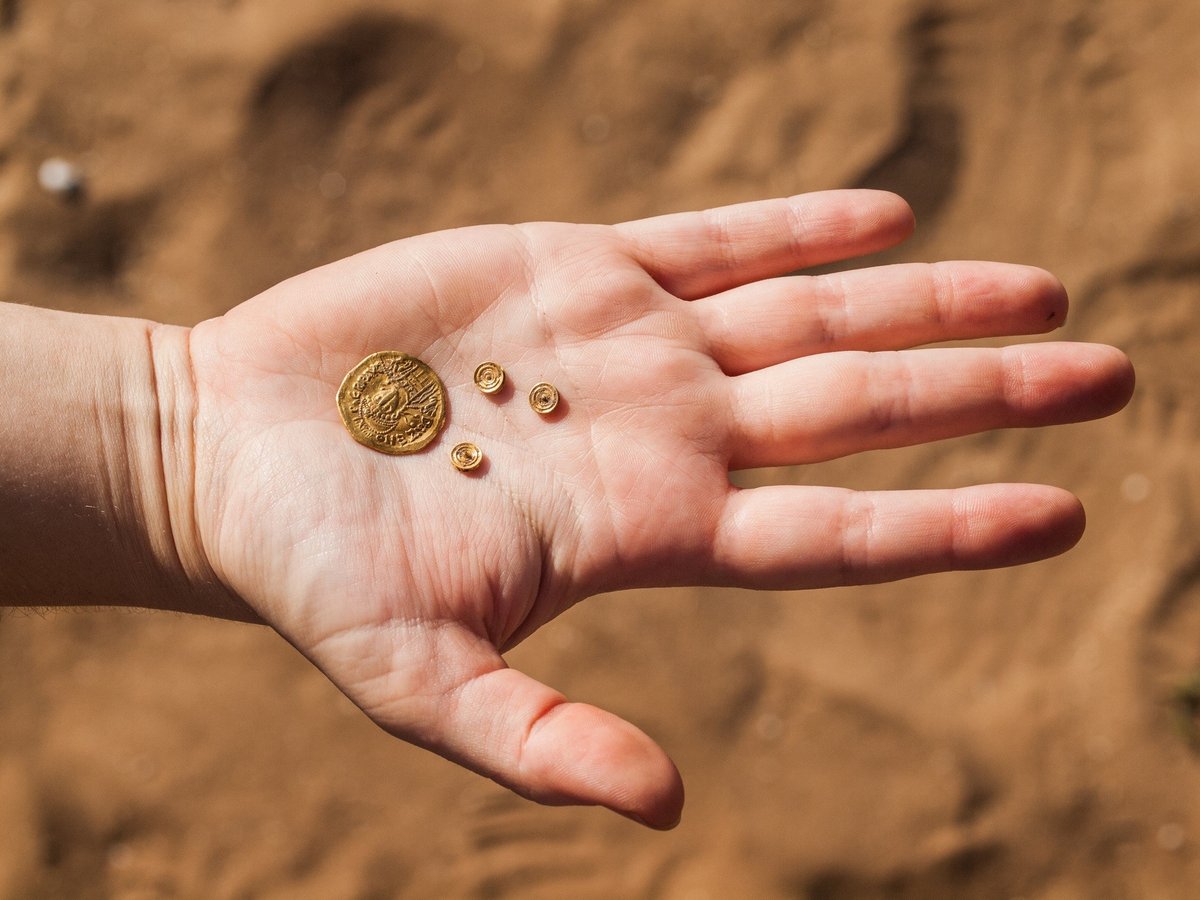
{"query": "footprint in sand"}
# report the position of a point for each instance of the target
(85, 244)
(917, 827)
(10, 14)
(923, 163)
(1172, 655)
(363, 114)
(22, 843)
(951, 878)
(514, 849)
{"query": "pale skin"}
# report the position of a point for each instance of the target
(208, 471)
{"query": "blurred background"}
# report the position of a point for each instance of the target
(1029, 733)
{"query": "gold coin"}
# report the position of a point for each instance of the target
(543, 398)
(392, 402)
(466, 456)
(489, 377)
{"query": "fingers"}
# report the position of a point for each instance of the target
(788, 537)
(883, 308)
(529, 738)
(698, 253)
(832, 405)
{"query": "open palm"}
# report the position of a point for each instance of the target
(404, 579)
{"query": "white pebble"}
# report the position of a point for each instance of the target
(57, 176)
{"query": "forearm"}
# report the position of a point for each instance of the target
(95, 459)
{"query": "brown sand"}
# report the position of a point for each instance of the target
(1025, 733)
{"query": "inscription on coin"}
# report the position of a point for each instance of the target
(466, 456)
(489, 377)
(392, 402)
(543, 397)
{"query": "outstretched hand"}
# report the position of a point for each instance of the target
(678, 358)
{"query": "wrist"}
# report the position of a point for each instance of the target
(95, 495)
(175, 538)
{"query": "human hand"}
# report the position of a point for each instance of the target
(404, 580)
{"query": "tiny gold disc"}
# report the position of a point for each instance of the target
(466, 456)
(543, 398)
(392, 402)
(489, 377)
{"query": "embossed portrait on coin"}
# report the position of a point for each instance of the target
(383, 407)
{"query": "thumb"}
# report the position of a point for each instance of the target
(530, 738)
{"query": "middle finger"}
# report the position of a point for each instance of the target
(883, 308)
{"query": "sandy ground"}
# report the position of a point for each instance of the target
(1027, 733)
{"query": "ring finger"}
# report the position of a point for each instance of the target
(832, 405)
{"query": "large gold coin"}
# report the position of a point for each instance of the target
(392, 402)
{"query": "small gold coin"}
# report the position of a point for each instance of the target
(392, 402)
(466, 456)
(543, 398)
(489, 377)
